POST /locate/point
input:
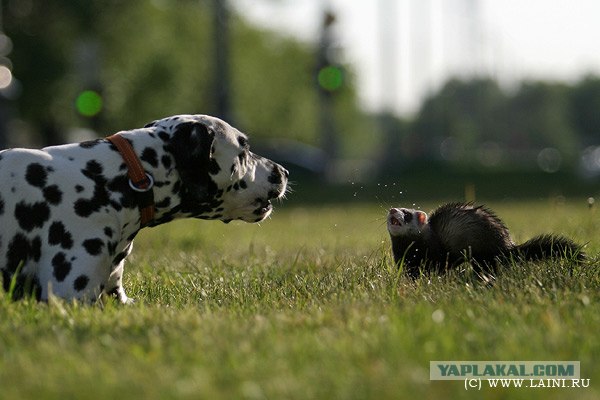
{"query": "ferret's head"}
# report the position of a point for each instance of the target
(405, 221)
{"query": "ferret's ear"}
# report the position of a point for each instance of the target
(421, 217)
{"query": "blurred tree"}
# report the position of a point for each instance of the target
(539, 118)
(466, 112)
(475, 122)
(585, 109)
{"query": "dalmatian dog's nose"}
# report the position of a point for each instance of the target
(278, 174)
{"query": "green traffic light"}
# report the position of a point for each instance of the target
(88, 103)
(330, 78)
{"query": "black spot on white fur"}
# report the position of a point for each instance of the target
(61, 267)
(150, 156)
(30, 216)
(84, 207)
(21, 250)
(93, 246)
(53, 194)
(81, 283)
(166, 162)
(36, 175)
(90, 143)
(58, 235)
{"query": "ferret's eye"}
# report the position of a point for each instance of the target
(407, 218)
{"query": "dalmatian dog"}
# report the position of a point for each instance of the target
(69, 213)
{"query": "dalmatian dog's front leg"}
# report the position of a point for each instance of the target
(114, 286)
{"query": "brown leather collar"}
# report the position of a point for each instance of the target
(140, 181)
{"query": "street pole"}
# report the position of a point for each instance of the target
(221, 64)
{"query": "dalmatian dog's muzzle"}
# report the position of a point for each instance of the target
(70, 213)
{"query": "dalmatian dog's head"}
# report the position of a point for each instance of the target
(220, 177)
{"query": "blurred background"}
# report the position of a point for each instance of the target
(388, 100)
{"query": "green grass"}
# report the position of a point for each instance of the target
(306, 306)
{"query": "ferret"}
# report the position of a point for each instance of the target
(462, 232)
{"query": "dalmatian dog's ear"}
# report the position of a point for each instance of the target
(191, 145)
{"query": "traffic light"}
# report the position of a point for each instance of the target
(329, 74)
(88, 103)
(330, 77)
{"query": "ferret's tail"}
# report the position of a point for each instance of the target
(545, 247)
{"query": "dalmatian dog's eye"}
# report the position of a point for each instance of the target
(243, 142)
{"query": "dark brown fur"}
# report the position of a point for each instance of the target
(461, 232)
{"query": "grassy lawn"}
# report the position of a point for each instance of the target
(307, 306)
